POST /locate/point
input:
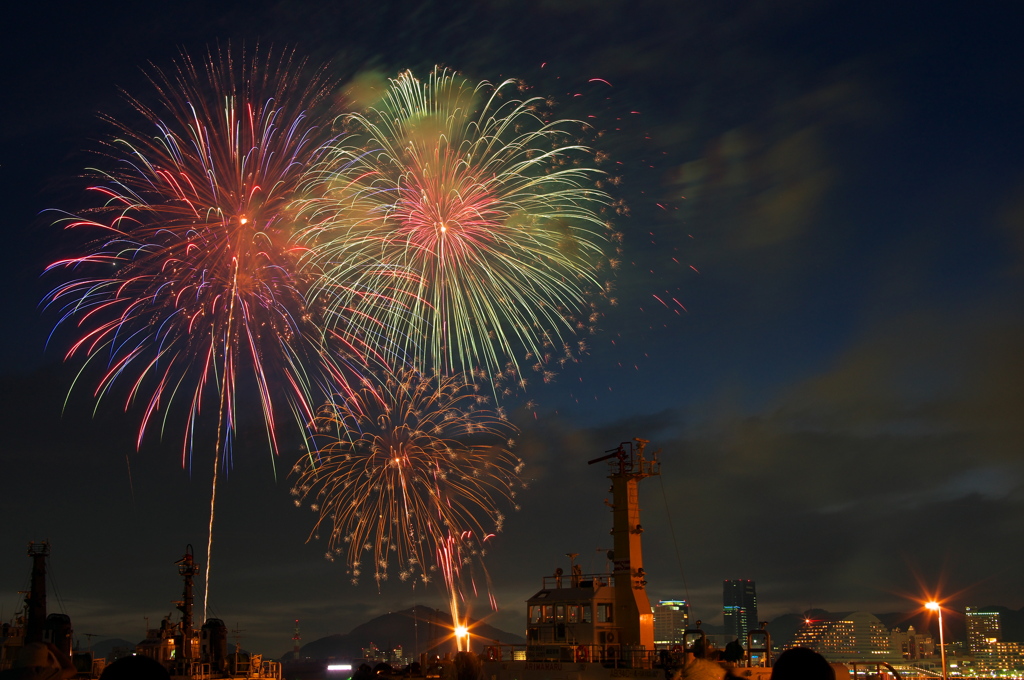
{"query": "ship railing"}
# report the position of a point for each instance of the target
(873, 670)
(197, 670)
(255, 668)
(594, 581)
(610, 656)
(270, 669)
(918, 672)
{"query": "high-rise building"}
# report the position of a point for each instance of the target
(739, 603)
(983, 629)
(671, 618)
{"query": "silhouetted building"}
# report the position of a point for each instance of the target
(739, 604)
(912, 645)
(671, 618)
(983, 629)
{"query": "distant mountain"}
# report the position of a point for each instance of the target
(1013, 623)
(417, 630)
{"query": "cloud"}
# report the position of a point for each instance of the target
(1011, 221)
(853, 483)
(766, 181)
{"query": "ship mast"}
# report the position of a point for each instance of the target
(632, 614)
(187, 569)
(36, 599)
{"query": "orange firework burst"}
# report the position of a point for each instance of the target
(411, 476)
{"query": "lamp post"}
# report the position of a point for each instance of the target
(936, 607)
(462, 637)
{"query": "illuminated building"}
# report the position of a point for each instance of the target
(983, 629)
(1000, 660)
(671, 618)
(912, 645)
(739, 604)
(853, 636)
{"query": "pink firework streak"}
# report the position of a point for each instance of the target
(187, 290)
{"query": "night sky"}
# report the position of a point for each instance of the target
(827, 196)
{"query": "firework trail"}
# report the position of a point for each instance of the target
(458, 227)
(185, 291)
(400, 482)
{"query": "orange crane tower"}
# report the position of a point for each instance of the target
(632, 607)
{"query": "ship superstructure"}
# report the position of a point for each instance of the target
(203, 654)
(592, 624)
(632, 606)
(33, 625)
(601, 616)
(601, 626)
(187, 653)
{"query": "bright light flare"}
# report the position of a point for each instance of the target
(936, 607)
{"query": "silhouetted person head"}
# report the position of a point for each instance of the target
(364, 672)
(800, 663)
(733, 651)
(135, 667)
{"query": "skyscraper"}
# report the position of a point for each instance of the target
(739, 601)
(671, 618)
(983, 628)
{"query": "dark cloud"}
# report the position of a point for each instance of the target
(1011, 221)
(874, 471)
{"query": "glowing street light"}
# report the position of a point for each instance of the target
(462, 638)
(936, 607)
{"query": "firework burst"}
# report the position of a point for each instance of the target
(457, 225)
(410, 478)
(188, 283)
(186, 292)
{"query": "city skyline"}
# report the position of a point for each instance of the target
(817, 313)
(978, 633)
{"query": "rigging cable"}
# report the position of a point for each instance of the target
(675, 543)
(56, 590)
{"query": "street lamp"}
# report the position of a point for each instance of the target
(936, 607)
(462, 637)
